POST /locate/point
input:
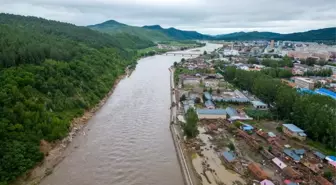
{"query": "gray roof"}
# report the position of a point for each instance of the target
(320, 155)
(231, 111)
(291, 154)
(293, 128)
(299, 151)
(207, 95)
(211, 111)
(229, 156)
(209, 103)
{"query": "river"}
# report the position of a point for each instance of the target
(128, 141)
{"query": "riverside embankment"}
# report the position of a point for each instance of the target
(128, 140)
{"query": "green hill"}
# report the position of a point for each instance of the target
(179, 34)
(51, 72)
(325, 34)
(113, 27)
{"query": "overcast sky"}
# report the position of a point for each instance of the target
(205, 16)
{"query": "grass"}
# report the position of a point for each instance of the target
(322, 148)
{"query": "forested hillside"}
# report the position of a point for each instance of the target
(50, 72)
(113, 27)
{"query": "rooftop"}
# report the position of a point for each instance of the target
(293, 128)
(291, 154)
(266, 182)
(320, 155)
(257, 171)
(299, 151)
(279, 163)
(331, 158)
(326, 92)
(258, 103)
(229, 156)
(211, 111)
(231, 111)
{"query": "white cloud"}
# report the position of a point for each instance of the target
(206, 16)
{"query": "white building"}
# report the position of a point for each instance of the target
(304, 83)
(191, 81)
(230, 52)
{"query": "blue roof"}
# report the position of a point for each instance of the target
(305, 91)
(293, 128)
(291, 154)
(207, 95)
(247, 127)
(319, 154)
(229, 156)
(332, 158)
(231, 111)
(242, 100)
(326, 92)
(299, 151)
(209, 103)
(211, 111)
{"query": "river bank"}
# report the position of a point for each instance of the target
(55, 152)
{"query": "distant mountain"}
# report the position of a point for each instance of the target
(179, 34)
(326, 34)
(113, 27)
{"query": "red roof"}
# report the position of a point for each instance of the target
(212, 127)
(257, 171)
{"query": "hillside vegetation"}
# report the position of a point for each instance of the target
(179, 34)
(113, 27)
(50, 72)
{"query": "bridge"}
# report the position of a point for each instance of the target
(182, 54)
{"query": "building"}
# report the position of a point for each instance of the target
(326, 92)
(207, 96)
(191, 81)
(304, 83)
(291, 173)
(266, 182)
(292, 154)
(322, 181)
(211, 114)
(319, 155)
(233, 115)
(293, 131)
(259, 105)
(272, 44)
(257, 171)
(279, 163)
(229, 156)
(209, 104)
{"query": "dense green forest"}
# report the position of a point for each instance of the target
(51, 72)
(313, 113)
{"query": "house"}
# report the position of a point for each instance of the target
(288, 182)
(304, 83)
(294, 131)
(313, 167)
(229, 156)
(259, 105)
(326, 92)
(209, 105)
(266, 182)
(271, 134)
(246, 127)
(211, 114)
(257, 171)
(299, 151)
(233, 115)
(279, 163)
(319, 155)
(292, 155)
(191, 81)
(207, 95)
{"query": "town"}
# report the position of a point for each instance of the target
(238, 110)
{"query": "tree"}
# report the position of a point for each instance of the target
(175, 64)
(190, 128)
(231, 146)
(197, 100)
(210, 90)
(183, 98)
(328, 175)
(218, 91)
(182, 60)
(205, 53)
(252, 61)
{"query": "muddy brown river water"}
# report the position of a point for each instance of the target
(128, 141)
